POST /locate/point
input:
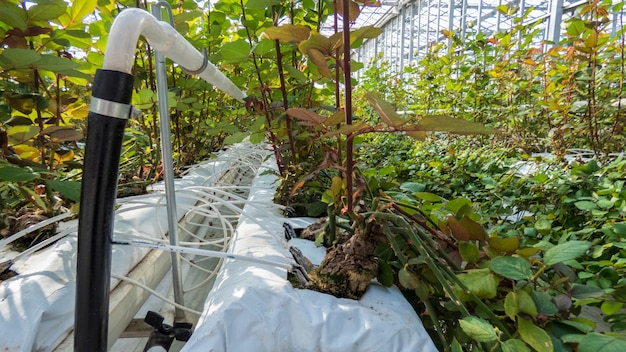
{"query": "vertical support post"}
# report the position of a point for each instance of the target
(168, 166)
(419, 26)
(463, 17)
(438, 19)
(402, 35)
(450, 20)
(498, 17)
(428, 25)
(411, 32)
(480, 16)
(522, 9)
(554, 23)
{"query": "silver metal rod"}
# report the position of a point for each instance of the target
(168, 166)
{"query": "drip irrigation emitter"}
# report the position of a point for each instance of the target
(109, 112)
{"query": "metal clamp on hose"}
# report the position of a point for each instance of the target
(110, 108)
(205, 64)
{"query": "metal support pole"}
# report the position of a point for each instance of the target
(411, 32)
(168, 165)
(463, 18)
(450, 21)
(402, 34)
(419, 26)
(479, 17)
(554, 23)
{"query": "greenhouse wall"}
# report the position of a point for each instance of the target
(411, 27)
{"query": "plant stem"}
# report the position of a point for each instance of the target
(268, 116)
(347, 77)
(337, 76)
(283, 89)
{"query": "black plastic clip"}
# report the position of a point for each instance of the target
(290, 232)
(205, 64)
(163, 334)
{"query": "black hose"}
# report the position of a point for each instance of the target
(112, 93)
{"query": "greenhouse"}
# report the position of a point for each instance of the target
(313, 175)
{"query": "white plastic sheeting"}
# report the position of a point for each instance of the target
(37, 306)
(254, 308)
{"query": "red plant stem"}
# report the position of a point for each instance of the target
(283, 89)
(265, 100)
(337, 91)
(347, 77)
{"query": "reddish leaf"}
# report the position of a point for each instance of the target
(318, 58)
(313, 118)
(354, 10)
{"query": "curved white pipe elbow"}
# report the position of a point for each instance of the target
(132, 23)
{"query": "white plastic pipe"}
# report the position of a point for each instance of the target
(132, 23)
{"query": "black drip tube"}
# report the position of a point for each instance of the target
(109, 112)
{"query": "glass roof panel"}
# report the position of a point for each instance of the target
(369, 16)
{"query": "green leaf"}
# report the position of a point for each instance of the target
(605, 203)
(68, 189)
(21, 133)
(55, 64)
(543, 302)
(586, 291)
(478, 329)
(508, 244)
(429, 197)
(459, 207)
(620, 229)
(295, 73)
(565, 251)
(414, 187)
(519, 302)
(609, 307)
(16, 174)
(29, 193)
(45, 12)
(385, 274)
(18, 58)
(535, 336)
(365, 32)
(261, 4)
(543, 226)
(257, 138)
(288, 33)
(511, 307)
(585, 205)
(456, 346)
(82, 8)
(235, 138)
(595, 342)
(235, 52)
(514, 345)
(469, 252)
(481, 282)
(514, 268)
(526, 303)
(575, 27)
(13, 15)
(445, 123)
